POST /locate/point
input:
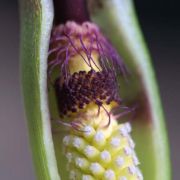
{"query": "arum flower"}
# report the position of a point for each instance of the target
(91, 100)
(96, 146)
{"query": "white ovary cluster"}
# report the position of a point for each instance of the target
(95, 154)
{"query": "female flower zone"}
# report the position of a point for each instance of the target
(96, 145)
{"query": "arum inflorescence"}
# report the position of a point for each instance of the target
(88, 67)
(77, 103)
(100, 153)
(87, 91)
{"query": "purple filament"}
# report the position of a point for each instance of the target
(100, 87)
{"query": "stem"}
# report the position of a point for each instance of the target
(70, 10)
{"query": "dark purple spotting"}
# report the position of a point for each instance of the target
(83, 88)
(143, 112)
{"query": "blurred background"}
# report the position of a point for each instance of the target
(160, 23)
